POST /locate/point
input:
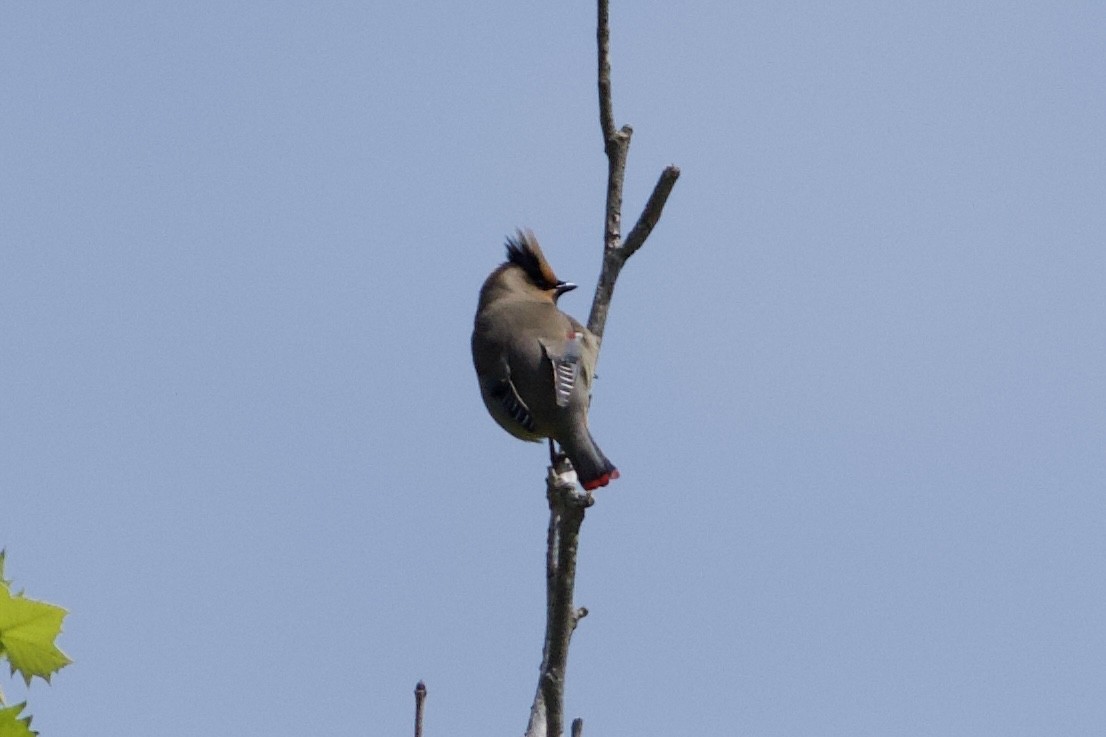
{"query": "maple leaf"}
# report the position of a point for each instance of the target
(13, 725)
(28, 629)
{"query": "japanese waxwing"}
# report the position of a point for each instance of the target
(535, 363)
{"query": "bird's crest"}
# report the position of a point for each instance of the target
(523, 251)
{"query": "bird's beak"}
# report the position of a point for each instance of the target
(562, 287)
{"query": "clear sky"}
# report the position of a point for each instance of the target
(855, 382)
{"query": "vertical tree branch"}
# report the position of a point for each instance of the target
(420, 700)
(567, 504)
(603, 43)
(615, 143)
(566, 513)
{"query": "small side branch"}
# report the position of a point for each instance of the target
(652, 211)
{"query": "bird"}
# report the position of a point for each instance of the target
(534, 363)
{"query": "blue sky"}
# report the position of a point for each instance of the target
(854, 381)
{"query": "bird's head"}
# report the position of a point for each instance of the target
(526, 270)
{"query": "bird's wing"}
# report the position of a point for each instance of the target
(503, 391)
(566, 366)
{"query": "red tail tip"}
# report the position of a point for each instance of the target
(602, 480)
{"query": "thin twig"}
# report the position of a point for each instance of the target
(420, 700)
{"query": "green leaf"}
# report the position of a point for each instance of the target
(12, 725)
(28, 629)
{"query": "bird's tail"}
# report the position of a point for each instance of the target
(592, 467)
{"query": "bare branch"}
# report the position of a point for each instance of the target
(566, 513)
(420, 700)
(615, 258)
(603, 38)
(617, 150)
(616, 144)
(652, 212)
(566, 504)
(604, 290)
